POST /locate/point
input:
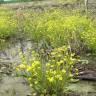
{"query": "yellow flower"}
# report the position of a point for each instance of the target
(58, 63)
(61, 61)
(30, 85)
(59, 55)
(22, 66)
(72, 79)
(70, 75)
(36, 82)
(29, 79)
(53, 53)
(48, 64)
(77, 73)
(54, 72)
(36, 62)
(63, 71)
(76, 69)
(60, 78)
(17, 69)
(50, 79)
(29, 68)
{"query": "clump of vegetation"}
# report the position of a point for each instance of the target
(58, 28)
(50, 77)
(7, 24)
(89, 37)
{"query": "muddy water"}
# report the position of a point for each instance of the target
(14, 86)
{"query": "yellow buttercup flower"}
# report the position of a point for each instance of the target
(29, 68)
(36, 62)
(60, 78)
(29, 79)
(22, 66)
(63, 71)
(61, 61)
(51, 79)
(17, 69)
(30, 85)
(35, 82)
(70, 75)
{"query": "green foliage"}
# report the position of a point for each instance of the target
(58, 27)
(7, 24)
(89, 36)
(50, 77)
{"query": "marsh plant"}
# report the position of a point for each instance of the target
(49, 78)
(60, 27)
(54, 26)
(7, 23)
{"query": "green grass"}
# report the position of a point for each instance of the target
(55, 27)
(59, 27)
(7, 23)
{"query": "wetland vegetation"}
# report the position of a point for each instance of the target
(52, 48)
